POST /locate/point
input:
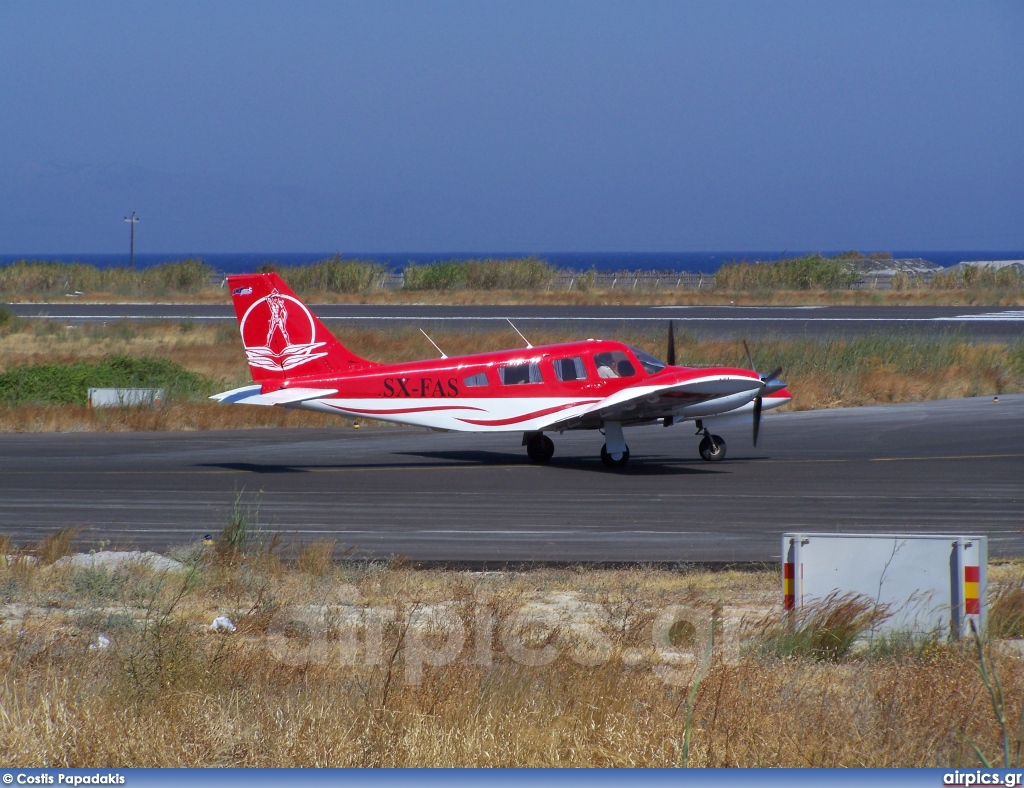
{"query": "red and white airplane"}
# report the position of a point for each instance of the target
(588, 385)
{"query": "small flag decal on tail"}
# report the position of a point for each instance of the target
(242, 291)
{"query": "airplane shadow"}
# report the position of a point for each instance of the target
(635, 467)
(482, 459)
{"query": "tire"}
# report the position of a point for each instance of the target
(706, 452)
(540, 449)
(610, 461)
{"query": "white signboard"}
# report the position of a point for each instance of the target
(930, 583)
(124, 398)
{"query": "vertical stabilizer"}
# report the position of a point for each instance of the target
(283, 339)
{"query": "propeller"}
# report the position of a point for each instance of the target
(770, 383)
(670, 356)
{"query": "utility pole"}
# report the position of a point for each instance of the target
(131, 259)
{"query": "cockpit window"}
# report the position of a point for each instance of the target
(649, 362)
(614, 364)
(479, 379)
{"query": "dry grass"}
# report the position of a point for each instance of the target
(980, 297)
(289, 689)
(868, 370)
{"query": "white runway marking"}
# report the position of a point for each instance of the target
(1012, 314)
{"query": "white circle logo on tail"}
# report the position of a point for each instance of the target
(279, 333)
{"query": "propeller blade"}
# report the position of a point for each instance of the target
(773, 375)
(670, 357)
(750, 358)
(757, 418)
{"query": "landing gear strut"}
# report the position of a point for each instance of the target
(539, 447)
(712, 447)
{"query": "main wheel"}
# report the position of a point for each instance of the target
(712, 452)
(540, 448)
(610, 460)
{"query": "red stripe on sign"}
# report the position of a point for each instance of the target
(973, 607)
(788, 602)
(787, 571)
(972, 574)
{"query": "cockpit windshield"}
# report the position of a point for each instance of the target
(649, 362)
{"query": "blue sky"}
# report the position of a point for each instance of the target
(492, 126)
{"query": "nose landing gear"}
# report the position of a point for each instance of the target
(712, 447)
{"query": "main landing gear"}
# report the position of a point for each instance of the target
(615, 452)
(617, 460)
(712, 447)
(539, 447)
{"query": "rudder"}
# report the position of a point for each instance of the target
(282, 338)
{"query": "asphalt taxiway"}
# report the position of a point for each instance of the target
(995, 324)
(954, 466)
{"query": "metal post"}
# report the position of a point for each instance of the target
(131, 258)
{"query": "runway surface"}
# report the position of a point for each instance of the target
(953, 466)
(978, 323)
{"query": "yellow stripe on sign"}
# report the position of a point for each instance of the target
(971, 590)
(787, 586)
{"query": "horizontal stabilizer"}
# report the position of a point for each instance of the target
(250, 395)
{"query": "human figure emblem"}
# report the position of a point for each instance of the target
(278, 317)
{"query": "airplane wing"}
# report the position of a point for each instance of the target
(692, 394)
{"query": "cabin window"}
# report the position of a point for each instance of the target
(615, 364)
(515, 374)
(479, 379)
(570, 369)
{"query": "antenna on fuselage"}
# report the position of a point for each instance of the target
(432, 342)
(520, 333)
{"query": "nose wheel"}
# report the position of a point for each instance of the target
(712, 447)
(540, 448)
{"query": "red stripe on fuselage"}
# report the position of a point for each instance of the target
(385, 412)
(526, 416)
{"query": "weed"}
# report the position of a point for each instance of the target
(241, 526)
(98, 584)
(1006, 612)
(315, 558)
(824, 631)
(54, 546)
(990, 678)
(161, 653)
(902, 645)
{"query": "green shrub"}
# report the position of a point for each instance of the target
(813, 272)
(526, 273)
(68, 384)
(330, 276)
(49, 278)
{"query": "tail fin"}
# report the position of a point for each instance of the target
(282, 338)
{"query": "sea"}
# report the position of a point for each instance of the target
(696, 262)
